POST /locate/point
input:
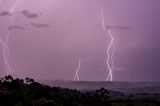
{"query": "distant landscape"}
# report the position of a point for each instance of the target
(124, 87)
(28, 92)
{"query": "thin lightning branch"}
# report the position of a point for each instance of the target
(109, 59)
(76, 77)
(5, 43)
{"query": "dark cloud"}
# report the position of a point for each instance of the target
(122, 27)
(5, 13)
(39, 25)
(108, 27)
(114, 27)
(12, 27)
(117, 27)
(27, 14)
(71, 22)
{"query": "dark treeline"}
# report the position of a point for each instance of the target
(19, 92)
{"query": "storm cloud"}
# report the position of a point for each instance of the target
(114, 27)
(13, 27)
(30, 15)
(39, 25)
(5, 13)
(122, 27)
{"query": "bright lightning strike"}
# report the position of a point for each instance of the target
(5, 43)
(76, 77)
(109, 59)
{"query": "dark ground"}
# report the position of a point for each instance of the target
(19, 92)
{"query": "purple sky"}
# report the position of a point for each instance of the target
(74, 31)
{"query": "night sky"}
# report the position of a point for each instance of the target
(47, 37)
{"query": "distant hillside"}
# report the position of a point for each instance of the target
(125, 87)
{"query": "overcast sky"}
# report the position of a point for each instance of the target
(57, 32)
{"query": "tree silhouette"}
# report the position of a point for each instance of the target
(8, 78)
(102, 97)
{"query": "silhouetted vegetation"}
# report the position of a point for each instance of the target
(19, 92)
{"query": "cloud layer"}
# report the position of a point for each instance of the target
(29, 15)
(39, 25)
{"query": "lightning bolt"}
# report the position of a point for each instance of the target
(109, 60)
(76, 77)
(5, 42)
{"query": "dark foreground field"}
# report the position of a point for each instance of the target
(19, 92)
